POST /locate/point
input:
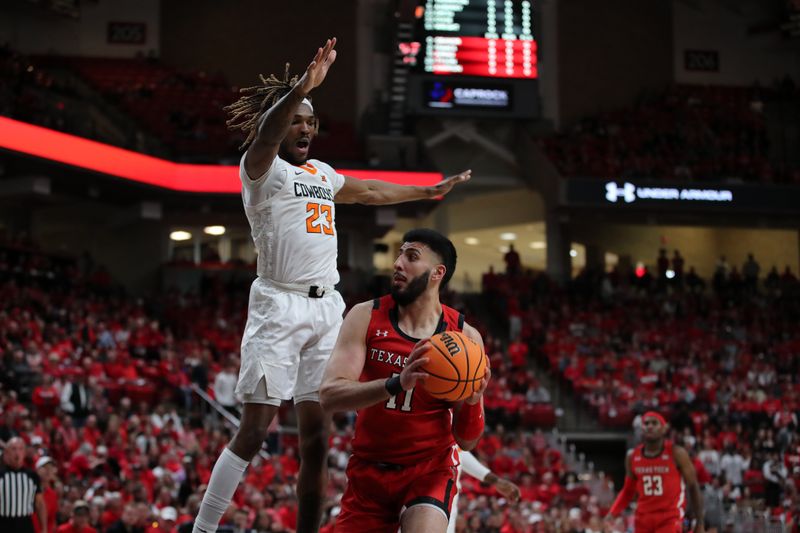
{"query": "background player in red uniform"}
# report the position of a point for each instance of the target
(658, 473)
(404, 464)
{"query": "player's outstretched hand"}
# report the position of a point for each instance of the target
(412, 373)
(476, 396)
(508, 489)
(318, 68)
(446, 185)
(611, 524)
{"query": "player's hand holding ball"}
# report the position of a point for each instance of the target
(478, 394)
(412, 371)
(450, 366)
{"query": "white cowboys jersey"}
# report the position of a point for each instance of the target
(292, 214)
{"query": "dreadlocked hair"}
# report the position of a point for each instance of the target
(255, 101)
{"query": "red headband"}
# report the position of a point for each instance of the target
(655, 415)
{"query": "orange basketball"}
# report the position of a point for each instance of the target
(456, 367)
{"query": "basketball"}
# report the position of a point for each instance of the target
(456, 367)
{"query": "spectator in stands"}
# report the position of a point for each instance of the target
(489, 280)
(225, 387)
(265, 521)
(514, 314)
(518, 354)
(537, 393)
(663, 264)
(603, 490)
(787, 278)
(721, 272)
(713, 504)
(127, 523)
(775, 474)
(722, 266)
(241, 521)
(45, 397)
(19, 374)
(166, 521)
(710, 458)
(513, 261)
(677, 267)
(773, 278)
(750, 270)
(79, 522)
(694, 282)
(76, 398)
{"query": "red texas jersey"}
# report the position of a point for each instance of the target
(659, 484)
(412, 426)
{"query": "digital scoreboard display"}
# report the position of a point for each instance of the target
(479, 38)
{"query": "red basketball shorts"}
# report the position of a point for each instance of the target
(658, 523)
(377, 494)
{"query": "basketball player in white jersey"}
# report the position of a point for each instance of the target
(294, 313)
(471, 466)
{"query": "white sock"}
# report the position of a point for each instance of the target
(225, 477)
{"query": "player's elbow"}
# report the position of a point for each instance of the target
(466, 445)
(370, 197)
(327, 396)
(372, 194)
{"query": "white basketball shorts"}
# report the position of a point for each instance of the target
(287, 340)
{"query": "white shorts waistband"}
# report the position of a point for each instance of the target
(312, 291)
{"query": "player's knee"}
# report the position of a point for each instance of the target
(249, 440)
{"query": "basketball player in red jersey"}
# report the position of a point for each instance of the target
(404, 465)
(658, 474)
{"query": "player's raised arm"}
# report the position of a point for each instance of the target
(468, 418)
(341, 389)
(267, 129)
(377, 192)
(684, 463)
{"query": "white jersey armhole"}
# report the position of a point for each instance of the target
(257, 191)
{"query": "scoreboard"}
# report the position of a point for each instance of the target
(476, 58)
(481, 38)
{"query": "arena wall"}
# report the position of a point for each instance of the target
(609, 52)
(37, 32)
(250, 37)
(744, 57)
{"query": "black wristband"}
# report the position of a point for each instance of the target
(393, 386)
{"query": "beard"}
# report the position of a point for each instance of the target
(412, 291)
